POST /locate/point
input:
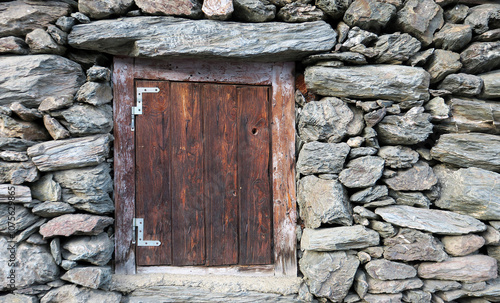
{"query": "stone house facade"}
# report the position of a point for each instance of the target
(383, 147)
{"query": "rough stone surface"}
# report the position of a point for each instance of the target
(417, 296)
(66, 23)
(482, 16)
(453, 37)
(55, 129)
(187, 8)
(150, 37)
(46, 189)
(456, 14)
(59, 36)
(369, 14)
(470, 269)
(26, 114)
(72, 293)
(389, 298)
(52, 103)
(40, 42)
(419, 177)
(458, 246)
(55, 250)
(15, 144)
(77, 224)
(254, 10)
(472, 191)
(376, 286)
(98, 73)
(52, 209)
(410, 198)
(440, 285)
(18, 298)
(395, 48)
(98, 9)
(491, 88)
(469, 150)
(411, 128)
(462, 84)
(430, 220)
(95, 93)
(70, 153)
(18, 194)
(13, 156)
(398, 156)
(442, 63)
(420, 18)
(370, 194)
(84, 119)
(472, 115)
(96, 250)
(327, 119)
(388, 270)
(323, 201)
(23, 219)
(18, 172)
(358, 37)
(21, 17)
(339, 238)
(491, 236)
(13, 45)
(14, 128)
(480, 57)
(49, 75)
(334, 8)
(316, 157)
(91, 277)
(396, 83)
(34, 265)
(329, 274)
(298, 12)
(362, 172)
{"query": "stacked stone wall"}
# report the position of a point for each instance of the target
(398, 146)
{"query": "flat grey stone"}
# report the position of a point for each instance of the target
(55, 129)
(430, 220)
(470, 269)
(254, 10)
(410, 198)
(152, 37)
(99, 9)
(13, 45)
(482, 16)
(18, 172)
(316, 157)
(17, 194)
(420, 18)
(40, 42)
(419, 177)
(362, 151)
(396, 48)
(442, 63)
(491, 88)
(384, 229)
(489, 36)
(55, 250)
(75, 224)
(438, 109)
(26, 114)
(369, 14)
(471, 115)
(389, 82)
(339, 238)
(413, 245)
(83, 119)
(480, 57)
(53, 209)
(89, 276)
(362, 172)
(453, 37)
(187, 8)
(417, 296)
(463, 245)
(376, 286)
(411, 128)
(440, 285)
(95, 93)
(472, 191)
(71, 292)
(462, 84)
(23, 219)
(388, 270)
(96, 250)
(398, 156)
(383, 298)
(370, 194)
(51, 103)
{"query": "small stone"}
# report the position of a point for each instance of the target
(347, 57)
(384, 229)
(13, 156)
(420, 18)
(360, 283)
(365, 213)
(26, 114)
(470, 269)
(491, 236)
(81, 18)
(33, 228)
(36, 239)
(357, 36)
(355, 142)
(480, 57)
(298, 12)
(71, 292)
(369, 14)
(359, 220)
(342, 30)
(75, 224)
(412, 128)
(380, 203)
(396, 48)
(46, 189)
(18, 172)
(254, 10)
(491, 87)
(59, 36)
(410, 198)
(95, 93)
(394, 110)
(367, 106)
(67, 265)
(421, 58)
(53, 209)
(339, 238)
(374, 117)
(14, 128)
(375, 251)
(370, 194)
(440, 285)
(453, 37)
(217, 9)
(55, 129)
(442, 63)
(55, 250)
(456, 14)
(388, 298)
(398, 156)
(316, 157)
(389, 270)
(419, 177)
(362, 151)
(458, 246)
(482, 16)
(186, 8)
(96, 250)
(474, 286)
(362, 172)
(92, 277)
(98, 73)
(417, 296)
(334, 8)
(53, 103)
(40, 42)
(99, 9)
(13, 45)
(462, 84)
(364, 257)
(489, 36)
(66, 23)
(18, 298)
(376, 286)
(438, 108)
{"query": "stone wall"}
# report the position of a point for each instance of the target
(398, 146)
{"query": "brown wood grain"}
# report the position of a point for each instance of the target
(253, 176)
(188, 225)
(220, 152)
(153, 196)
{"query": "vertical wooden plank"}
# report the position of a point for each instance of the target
(221, 142)
(153, 198)
(188, 232)
(124, 160)
(283, 168)
(253, 176)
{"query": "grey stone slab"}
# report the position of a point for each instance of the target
(339, 238)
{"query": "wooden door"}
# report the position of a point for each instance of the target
(203, 185)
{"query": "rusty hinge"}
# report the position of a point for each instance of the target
(139, 223)
(137, 110)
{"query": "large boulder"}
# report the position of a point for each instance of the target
(472, 191)
(31, 79)
(152, 37)
(391, 82)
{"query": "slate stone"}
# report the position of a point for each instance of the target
(59, 36)
(298, 12)
(21, 17)
(438, 109)
(386, 298)
(360, 285)
(469, 150)
(491, 236)
(323, 201)
(369, 194)
(471, 115)
(83, 119)
(151, 37)
(489, 36)
(186, 8)
(329, 274)
(46, 189)
(18, 194)
(52, 209)
(55, 129)
(348, 57)
(89, 276)
(96, 250)
(420, 18)
(34, 265)
(334, 8)
(55, 250)
(75, 224)
(40, 42)
(357, 36)
(71, 292)
(98, 73)
(462, 84)
(376, 286)
(419, 177)
(95, 93)
(15, 128)
(398, 156)
(13, 45)
(456, 14)
(49, 75)
(65, 23)
(13, 156)
(67, 265)
(316, 157)
(410, 198)
(388, 270)
(491, 88)
(326, 119)
(369, 82)
(480, 57)
(411, 128)
(369, 14)
(362, 172)
(413, 245)
(396, 48)
(52, 103)
(440, 285)
(338, 238)
(355, 142)
(421, 58)
(470, 269)
(442, 63)
(254, 10)
(481, 17)
(430, 220)
(70, 153)
(26, 114)
(463, 245)
(99, 9)
(470, 191)
(80, 17)
(374, 117)
(453, 37)
(361, 152)
(18, 172)
(384, 229)
(15, 144)
(417, 296)
(18, 298)
(23, 219)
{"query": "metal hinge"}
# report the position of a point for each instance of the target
(139, 223)
(137, 110)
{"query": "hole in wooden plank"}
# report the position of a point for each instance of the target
(255, 131)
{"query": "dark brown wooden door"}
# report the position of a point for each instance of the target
(202, 174)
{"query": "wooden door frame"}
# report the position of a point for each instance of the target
(280, 76)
